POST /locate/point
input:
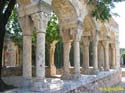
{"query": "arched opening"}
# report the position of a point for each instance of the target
(68, 24)
(67, 21)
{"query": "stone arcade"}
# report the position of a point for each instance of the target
(76, 25)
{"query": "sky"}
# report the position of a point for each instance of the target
(120, 9)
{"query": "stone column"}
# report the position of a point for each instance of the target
(40, 21)
(113, 57)
(77, 58)
(52, 67)
(100, 57)
(117, 52)
(27, 47)
(95, 56)
(85, 54)
(106, 55)
(77, 37)
(66, 51)
(27, 57)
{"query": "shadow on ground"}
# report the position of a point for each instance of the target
(4, 87)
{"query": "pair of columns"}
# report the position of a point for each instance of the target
(67, 41)
(86, 43)
(40, 21)
(106, 56)
(66, 50)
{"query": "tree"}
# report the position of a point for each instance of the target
(6, 7)
(52, 37)
(52, 32)
(101, 9)
(13, 28)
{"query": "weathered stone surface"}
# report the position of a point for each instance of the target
(86, 42)
(52, 67)
(77, 58)
(106, 55)
(27, 46)
(40, 21)
(84, 84)
(66, 73)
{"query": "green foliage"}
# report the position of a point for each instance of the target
(52, 32)
(123, 55)
(14, 29)
(15, 32)
(102, 8)
(34, 37)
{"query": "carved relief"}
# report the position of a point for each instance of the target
(40, 21)
(24, 2)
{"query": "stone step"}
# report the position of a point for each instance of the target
(123, 74)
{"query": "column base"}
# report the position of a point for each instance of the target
(101, 69)
(85, 71)
(113, 67)
(52, 70)
(39, 85)
(76, 76)
(106, 69)
(94, 71)
(66, 77)
(26, 82)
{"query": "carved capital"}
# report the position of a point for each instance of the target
(67, 34)
(86, 41)
(112, 45)
(105, 44)
(78, 34)
(40, 21)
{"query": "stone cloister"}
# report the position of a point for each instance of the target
(76, 26)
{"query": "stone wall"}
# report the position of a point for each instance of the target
(111, 80)
(86, 84)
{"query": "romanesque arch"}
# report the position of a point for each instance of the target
(38, 13)
(66, 13)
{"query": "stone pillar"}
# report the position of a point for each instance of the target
(52, 67)
(77, 37)
(66, 52)
(100, 57)
(27, 47)
(85, 54)
(117, 56)
(40, 21)
(77, 58)
(95, 56)
(113, 66)
(27, 59)
(106, 55)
